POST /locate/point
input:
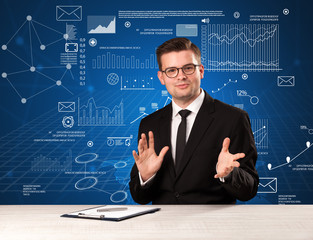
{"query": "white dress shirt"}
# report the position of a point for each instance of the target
(176, 120)
(194, 107)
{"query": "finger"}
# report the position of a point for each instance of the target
(223, 174)
(151, 140)
(144, 141)
(236, 164)
(238, 156)
(226, 143)
(135, 155)
(218, 175)
(163, 152)
(140, 147)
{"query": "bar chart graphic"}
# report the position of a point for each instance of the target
(110, 60)
(93, 115)
(240, 47)
(48, 164)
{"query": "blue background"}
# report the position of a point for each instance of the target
(99, 173)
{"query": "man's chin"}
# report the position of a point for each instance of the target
(184, 97)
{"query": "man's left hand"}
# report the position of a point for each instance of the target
(227, 161)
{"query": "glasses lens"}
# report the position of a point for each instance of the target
(189, 69)
(171, 72)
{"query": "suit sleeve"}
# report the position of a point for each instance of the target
(141, 194)
(242, 182)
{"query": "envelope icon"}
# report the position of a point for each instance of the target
(69, 13)
(267, 185)
(66, 106)
(71, 47)
(286, 81)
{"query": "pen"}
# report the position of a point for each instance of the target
(90, 215)
(112, 209)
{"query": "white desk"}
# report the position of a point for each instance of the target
(250, 222)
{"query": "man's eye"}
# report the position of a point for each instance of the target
(171, 70)
(188, 68)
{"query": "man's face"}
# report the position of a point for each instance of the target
(183, 88)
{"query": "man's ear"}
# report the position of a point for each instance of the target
(160, 76)
(201, 69)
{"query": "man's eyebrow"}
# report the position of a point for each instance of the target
(181, 66)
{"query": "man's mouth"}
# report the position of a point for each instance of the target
(182, 85)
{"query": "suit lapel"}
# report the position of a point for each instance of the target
(202, 122)
(165, 139)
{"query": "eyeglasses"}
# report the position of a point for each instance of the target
(187, 69)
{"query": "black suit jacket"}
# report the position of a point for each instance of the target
(194, 182)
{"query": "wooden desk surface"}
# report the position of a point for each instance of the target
(172, 222)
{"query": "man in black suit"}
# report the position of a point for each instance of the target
(196, 150)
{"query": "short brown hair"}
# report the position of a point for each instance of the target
(176, 45)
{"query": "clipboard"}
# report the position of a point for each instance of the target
(111, 213)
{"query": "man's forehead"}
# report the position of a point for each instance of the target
(172, 59)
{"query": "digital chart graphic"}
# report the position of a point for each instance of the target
(77, 79)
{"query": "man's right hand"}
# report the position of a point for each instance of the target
(148, 163)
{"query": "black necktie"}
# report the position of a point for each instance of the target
(181, 137)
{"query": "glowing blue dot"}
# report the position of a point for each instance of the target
(91, 88)
(297, 62)
(19, 41)
(39, 67)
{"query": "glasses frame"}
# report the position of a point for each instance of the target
(182, 68)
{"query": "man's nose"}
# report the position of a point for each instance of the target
(181, 74)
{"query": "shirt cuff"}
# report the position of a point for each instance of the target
(222, 179)
(142, 183)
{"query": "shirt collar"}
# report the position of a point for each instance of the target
(193, 107)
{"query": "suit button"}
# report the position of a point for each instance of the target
(176, 194)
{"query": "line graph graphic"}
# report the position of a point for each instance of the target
(289, 159)
(141, 116)
(260, 132)
(101, 24)
(154, 107)
(167, 101)
(93, 115)
(225, 85)
(243, 47)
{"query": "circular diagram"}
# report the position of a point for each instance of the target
(236, 14)
(110, 142)
(113, 78)
(286, 11)
(120, 164)
(254, 100)
(86, 158)
(86, 183)
(244, 76)
(93, 42)
(118, 196)
(68, 121)
(127, 24)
